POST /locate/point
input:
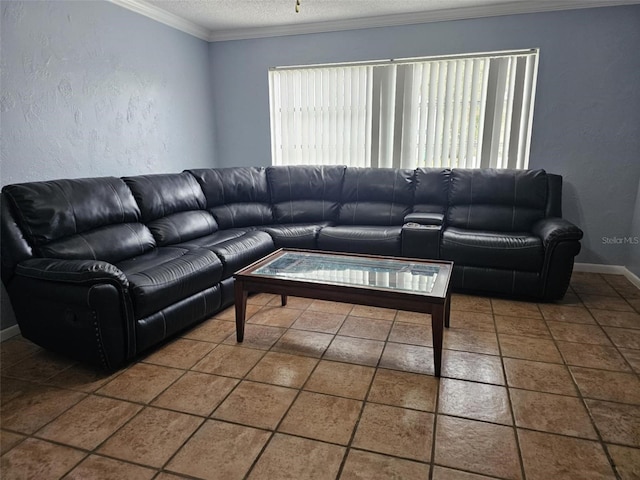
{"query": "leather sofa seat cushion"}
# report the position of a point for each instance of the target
(47, 211)
(295, 235)
(304, 193)
(497, 200)
(514, 251)
(236, 197)
(374, 240)
(236, 248)
(376, 196)
(167, 275)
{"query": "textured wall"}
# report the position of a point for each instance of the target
(633, 263)
(90, 89)
(587, 113)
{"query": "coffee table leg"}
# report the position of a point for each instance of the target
(241, 308)
(283, 299)
(447, 310)
(437, 327)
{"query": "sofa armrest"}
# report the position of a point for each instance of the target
(552, 230)
(424, 218)
(79, 272)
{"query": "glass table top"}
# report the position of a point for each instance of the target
(370, 272)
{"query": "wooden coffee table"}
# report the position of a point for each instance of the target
(389, 282)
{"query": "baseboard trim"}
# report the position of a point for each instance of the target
(9, 332)
(607, 269)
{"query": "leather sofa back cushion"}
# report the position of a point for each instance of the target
(47, 211)
(497, 200)
(305, 193)
(432, 190)
(236, 197)
(111, 243)
(161, 195)
(380, 196)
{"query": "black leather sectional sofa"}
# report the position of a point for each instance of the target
(101, 269)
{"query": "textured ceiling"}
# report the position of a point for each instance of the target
(252, 18)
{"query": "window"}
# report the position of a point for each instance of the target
(467, 111)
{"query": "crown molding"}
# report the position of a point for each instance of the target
(162, 16)
(512, 8)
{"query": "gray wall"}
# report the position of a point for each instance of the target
(91, 89)
(633, 263)
(587, 113)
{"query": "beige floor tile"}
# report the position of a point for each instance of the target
(570, 299)
(626, 460)
(283, 369)
(12, 388)
(330, 307)
(354, 350)
(551, 413)
(563, 313)
(230, 361)
(594, 356)
(574, 332)
(102, 468)
(605, 385)
(288, 457)
(528, 348)
(603, 302)
(395, 431)
(341, 379)
(299, 303)
(275, 317)
(14, 350)
(633, 357)
(478, 447)
(171, 476)
(82, 378)
(149, 381)
(411, 333)
(180, 353)
(413, 317)
(90, 422)
(635, 303)
(410, 358)
(529, 327)
(261, 298)
(36, 407)
(369, 328)
(442, 473)
(470, 303)
(513, 308)
(219, 450)
(196, 393)
(229, 313)
(38, 460)
(543, 377)
(261, 337)
(476, 367)
(624, 337)
(617, 423)
(322, 417)
(471, 341)
(611, 318)
(373, 312)
(8, 440)
(256, 404)
(546, 456)
(472, 320)
(372, 466)
(319, 321)
(38, 367)
(300, 342)
(593, 288)
(151, 437)
(214, 331)
(477, 401)
(403, 389)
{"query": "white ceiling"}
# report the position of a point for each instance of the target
(216, 20)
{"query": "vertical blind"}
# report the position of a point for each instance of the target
(466, 112)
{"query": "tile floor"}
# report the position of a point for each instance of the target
(326, 390)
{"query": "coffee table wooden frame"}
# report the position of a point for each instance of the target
(438, 306)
